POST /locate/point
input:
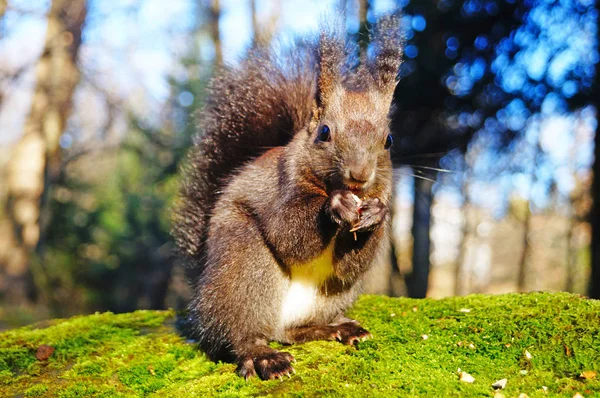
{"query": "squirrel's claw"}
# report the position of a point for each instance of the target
(267, 366)
(352, 333)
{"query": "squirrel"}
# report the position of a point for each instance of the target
(285, 197)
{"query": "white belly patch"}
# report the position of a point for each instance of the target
(306, 279)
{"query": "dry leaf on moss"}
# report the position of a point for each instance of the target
(588, 374)
(44, 352)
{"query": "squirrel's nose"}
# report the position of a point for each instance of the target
(360, 175)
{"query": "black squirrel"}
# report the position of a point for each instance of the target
(286, 194)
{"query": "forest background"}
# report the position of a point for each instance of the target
(494, 143)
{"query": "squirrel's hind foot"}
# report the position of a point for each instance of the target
(267, 363)
(349, 333)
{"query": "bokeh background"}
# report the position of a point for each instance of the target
(494, 143)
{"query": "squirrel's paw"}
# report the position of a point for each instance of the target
(351, 333)
(267, 366)
(372, 212)
(343, 208)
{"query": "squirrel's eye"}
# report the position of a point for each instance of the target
(324, 133)
(388, 142)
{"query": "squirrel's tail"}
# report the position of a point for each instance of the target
(251, 108)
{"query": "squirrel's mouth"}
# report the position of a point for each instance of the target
(355, 189)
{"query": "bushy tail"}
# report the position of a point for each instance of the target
(250, 108)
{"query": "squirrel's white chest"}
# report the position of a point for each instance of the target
(300, 299)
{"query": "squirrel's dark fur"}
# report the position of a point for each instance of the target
(276, 241)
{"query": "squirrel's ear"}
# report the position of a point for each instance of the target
(331, 56)
(388, 43)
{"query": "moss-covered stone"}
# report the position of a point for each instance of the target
(416, 349)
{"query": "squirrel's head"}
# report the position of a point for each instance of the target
(350, 141)
(349, 136)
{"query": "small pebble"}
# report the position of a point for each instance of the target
(528, 355)
(467, 378)
(523, 372)
(424, 336)
(500, 384)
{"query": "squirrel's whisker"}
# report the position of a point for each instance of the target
(431, 168)
(418, 176)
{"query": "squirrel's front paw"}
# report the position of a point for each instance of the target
(372, 212)
(343, 208)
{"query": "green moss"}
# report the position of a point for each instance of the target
(140, 354)
(36, 390)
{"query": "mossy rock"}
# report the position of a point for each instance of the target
(416, 349)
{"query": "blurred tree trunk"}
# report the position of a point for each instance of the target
(571, 257)
(418, 281)
(395, 267)
(459, 272)
(254, 19)
(524, 266)
(523, 261)
(262, 33)
(594, 289)
(594, 286)
(3, 5)
(363, 27)
(215, 16)
(396, 284)
(36, 160)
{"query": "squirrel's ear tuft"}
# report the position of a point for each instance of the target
(388, 43)
(331, 57)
